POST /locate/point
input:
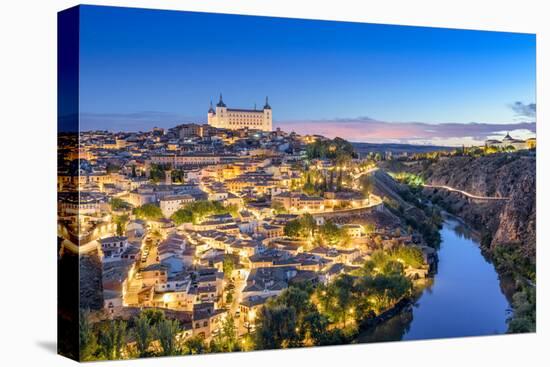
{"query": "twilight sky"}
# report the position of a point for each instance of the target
(364, 82)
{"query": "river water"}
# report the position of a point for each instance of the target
(464, 298)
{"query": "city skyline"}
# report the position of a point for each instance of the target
(363, 82)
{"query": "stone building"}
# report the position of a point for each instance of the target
(236, 118)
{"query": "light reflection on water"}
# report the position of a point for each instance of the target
(464, 299)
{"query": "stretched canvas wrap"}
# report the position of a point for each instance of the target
(230, 183)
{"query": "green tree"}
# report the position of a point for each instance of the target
(278, 208)
(119, 204)
(87, 338)
(229, 297)
(228, 335)
(314, 327)
(293, 228)
(228, 266)
(121, 221)
(369, 228)
(154, 316)
(166, 332)
(344, 288)
(196, 211)
(276, 327)
(194, 345)
(524, 318)
(408, 255)
(308, 225)
(148, 211)
(143, 333)
(385, 290)
(178, 176)
(157, 173)
(182, 216)
(113, 339)
(333, 235)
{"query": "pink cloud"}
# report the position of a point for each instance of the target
(369, 130)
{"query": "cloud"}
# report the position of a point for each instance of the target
(134, 121)
(524, 110)
(371, 130)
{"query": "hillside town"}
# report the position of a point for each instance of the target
(210, 223)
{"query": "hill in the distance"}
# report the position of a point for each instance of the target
(364, 148)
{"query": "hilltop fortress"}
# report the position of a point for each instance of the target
(236, 118)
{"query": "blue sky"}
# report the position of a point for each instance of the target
(144, 68)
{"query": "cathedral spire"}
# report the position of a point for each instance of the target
(267, 106)
(220, 103)
(211, 109)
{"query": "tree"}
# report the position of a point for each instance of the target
(148, 211)
(154, 316)
(196, 211)
(369, 228)
(194, 345)
(121, 221)
(344, 287)
(337, 299)
(276, 327)
(228, 266)
(143, 333)
(113, 339)
(228, 335)
(333, 235)
(119, 204)
(166, 332)
(314, 327)
(385, 290)
(524, 318)
(229, 297)
(87, 338)
(156, 173)
(177, 176)
(182, 216)
(330, 149)
(278, 208)
(408, 255)
(308, 224)
(293, 228)
(309, 187)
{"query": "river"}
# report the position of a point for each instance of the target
(465, 297)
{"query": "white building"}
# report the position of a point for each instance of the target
(113, 247)
(508, 141)
(172, 203)
(236, 118)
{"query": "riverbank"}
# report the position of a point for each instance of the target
(464, 298)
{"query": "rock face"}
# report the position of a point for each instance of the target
(91, 287)
(511, 175)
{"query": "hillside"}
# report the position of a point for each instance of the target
(510, 223)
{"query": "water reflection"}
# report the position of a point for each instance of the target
(464, 298)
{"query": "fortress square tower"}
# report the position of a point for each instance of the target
(236, 118)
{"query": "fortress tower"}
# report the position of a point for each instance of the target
(237, 118)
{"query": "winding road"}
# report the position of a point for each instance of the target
(465, 193)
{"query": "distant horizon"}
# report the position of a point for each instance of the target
(364, 82)
(424, 143)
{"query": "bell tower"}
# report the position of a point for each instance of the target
(268, 116)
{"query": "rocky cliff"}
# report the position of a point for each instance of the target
(509, 222)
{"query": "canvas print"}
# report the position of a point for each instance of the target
(231, 183)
